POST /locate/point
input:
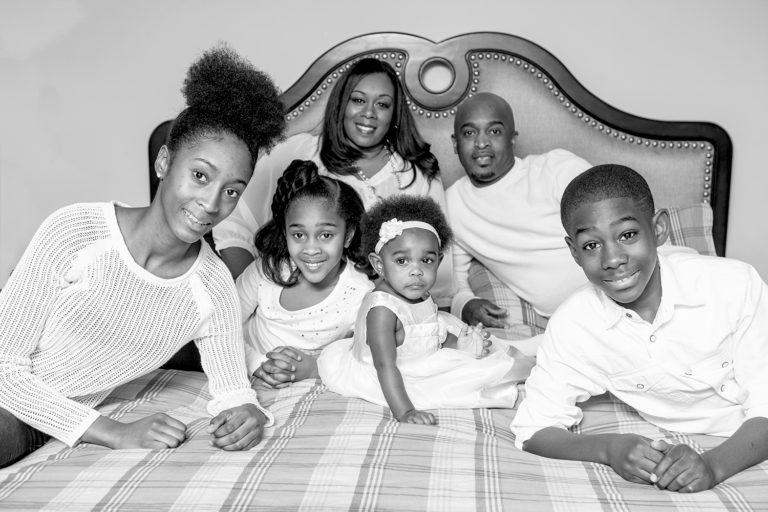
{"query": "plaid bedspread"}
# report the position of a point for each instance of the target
(327, 452)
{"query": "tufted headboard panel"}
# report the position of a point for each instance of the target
(684, 162)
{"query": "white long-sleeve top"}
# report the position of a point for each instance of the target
(699, 367)
(79, 317)
(267, 324)
(513, 228)
(254, 208)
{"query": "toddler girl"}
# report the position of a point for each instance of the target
(402, 352)
(303, 291)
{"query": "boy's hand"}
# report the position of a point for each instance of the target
(285, 365)
(633, 457)
(418, 417)
(485, 312)
(238, 428)
(682, 470)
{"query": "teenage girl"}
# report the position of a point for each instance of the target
(303, 290)
(106, 293)
(403, 354)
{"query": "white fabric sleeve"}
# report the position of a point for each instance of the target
(445, 286)
(561, 378)
(25, 304)
(222, 352)
(253, 209)
(247, 285)
(461, 262)
(238, 229)
(751, 346)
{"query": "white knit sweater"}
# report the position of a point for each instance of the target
(79, 316)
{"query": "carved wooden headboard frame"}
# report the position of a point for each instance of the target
(684, 162)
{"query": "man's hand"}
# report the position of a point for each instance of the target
(239, 428)
(481, 311)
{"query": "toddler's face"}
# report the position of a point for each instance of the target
(316, 237)
(408, 263)
(614, 242)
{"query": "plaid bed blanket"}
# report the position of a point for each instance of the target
(327, 452)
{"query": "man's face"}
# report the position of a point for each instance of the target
(484, 138)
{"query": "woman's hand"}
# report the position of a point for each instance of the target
(285, 365)
(155, 432)
(238, 428)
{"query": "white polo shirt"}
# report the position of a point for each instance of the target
(701, 366)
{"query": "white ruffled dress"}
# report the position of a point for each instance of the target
(434, 377)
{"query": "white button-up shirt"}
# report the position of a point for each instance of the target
(701, 366)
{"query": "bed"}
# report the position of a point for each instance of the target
(328, 452)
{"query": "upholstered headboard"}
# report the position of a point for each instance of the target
(684, 162)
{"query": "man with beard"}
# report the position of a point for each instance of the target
(506, 214)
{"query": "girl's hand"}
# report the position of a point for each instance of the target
(156, 432)
(239, 428)
(475, 340)
(285, 365)
(418, 417)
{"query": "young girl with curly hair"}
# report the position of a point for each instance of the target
(303, 290)
(405, 354)
(369, 140)
(106, 293)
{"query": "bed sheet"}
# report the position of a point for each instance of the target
(328, 452)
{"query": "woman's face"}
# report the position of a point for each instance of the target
(202, 183)
(369, 111)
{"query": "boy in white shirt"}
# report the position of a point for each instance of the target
(682, 338)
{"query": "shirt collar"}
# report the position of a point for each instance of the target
(673, 293)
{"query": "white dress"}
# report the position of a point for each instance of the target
(267, 324)
(434, 377)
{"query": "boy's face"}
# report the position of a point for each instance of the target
(614, 242)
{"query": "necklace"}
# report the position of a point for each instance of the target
(366, 181)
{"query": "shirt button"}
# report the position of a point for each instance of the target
(689, 373)
(629, 315)
(725, 364)
(640, 386)
(652, 338)
(722, 388)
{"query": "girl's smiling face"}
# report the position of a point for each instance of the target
(202, 182)
(614, 241)
(408, 263)
(316, 237)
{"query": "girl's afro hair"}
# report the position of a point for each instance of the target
(225, 92)
(404, 207)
